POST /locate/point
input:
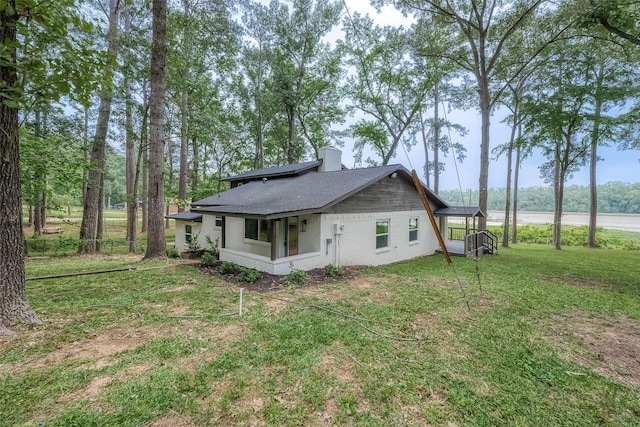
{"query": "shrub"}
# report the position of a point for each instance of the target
(228, 267)
(213, 247)
(333, 270)
(208, 259)
(193, 245)
(172, 253)
(248, 275)
(296, 277)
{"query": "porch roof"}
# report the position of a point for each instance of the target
(186, 216)
(460, 211)
(309, 193)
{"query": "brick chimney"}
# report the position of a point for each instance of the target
(331, 159)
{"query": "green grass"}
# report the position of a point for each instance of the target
(292, 360)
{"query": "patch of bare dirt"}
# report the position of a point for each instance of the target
(179, 288)
(91, 391)
(134, 370)
(173, 421)
(98, 351)
(269, 282)
(609, 346)
(217, 335)
(580, 283)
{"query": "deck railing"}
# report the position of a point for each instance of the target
(459, 233)
(482, 242)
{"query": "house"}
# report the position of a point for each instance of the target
(311, 214)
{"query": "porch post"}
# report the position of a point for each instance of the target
(271, 229)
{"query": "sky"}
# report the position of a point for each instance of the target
(616, 165)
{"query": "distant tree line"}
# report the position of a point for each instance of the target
(613, 197)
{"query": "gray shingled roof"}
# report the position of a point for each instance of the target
(311, 192)
(463, 211)
(186, 216)
(283, 170)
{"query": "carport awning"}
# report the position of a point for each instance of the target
(460, 211)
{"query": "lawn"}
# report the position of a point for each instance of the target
(548, 338)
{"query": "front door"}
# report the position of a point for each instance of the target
(292, 236)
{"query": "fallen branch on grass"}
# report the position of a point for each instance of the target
(82, 273)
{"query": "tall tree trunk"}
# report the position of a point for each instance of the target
(291, 135)
(143, 158)
(131, 167)
(516, 176)
(14, 306)
(85, 153)
(195, 172)
(259, 162)
(558, 196)
(184, 114)
(37, 218)
(37, 224)
(593, 161)
(507, 197)
(182, 173)
(30, 219)
(436, 138)
(88, 228)
(43, 206)
(145, 188)
(156, 244)
(485, 112)
(100, 217)
(425, 143)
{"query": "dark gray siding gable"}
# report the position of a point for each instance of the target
(387, 195)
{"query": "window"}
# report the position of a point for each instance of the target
(382, 233)
(187, 233)
(218, 222)
(413, 229)
(256, 229)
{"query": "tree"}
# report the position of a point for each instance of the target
(202, 41)
(91, 226)
(14, 306)
(156, 245)
(389, 85)
(512, 103)
(297, 51)
(72, 72)
(619, 17)
(484, 30)
(556, 119)
(255, 70)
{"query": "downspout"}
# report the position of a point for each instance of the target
(223, 234)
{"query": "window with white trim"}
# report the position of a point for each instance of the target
(413, 229)
(256, 229)
(218, 222)
(188, 233)
(382, 233)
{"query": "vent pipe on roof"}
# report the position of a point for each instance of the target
(331, 159)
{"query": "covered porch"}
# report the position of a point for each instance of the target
(460, 228)
(271, 244)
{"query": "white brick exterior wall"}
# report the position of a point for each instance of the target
(355, 243)
(205, 228)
